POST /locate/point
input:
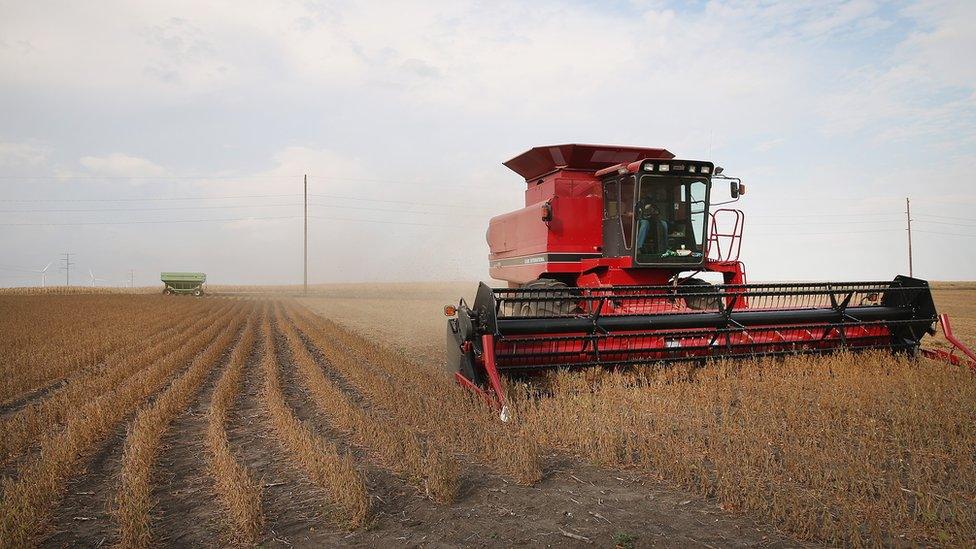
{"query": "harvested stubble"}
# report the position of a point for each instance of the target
(145, 435)
(393, 445)
(237, 489)
(320, 460)
(859, 450)
(427, 400)
(23, 427)
(40, 484)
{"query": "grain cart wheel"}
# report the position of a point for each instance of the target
(197, 292)
(548, 308)
(688, 287)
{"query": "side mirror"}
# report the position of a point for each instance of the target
(734, 189)
(547, 212)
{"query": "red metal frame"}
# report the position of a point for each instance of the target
(693, 344)
(950, 357)
(488, 357)
(495, 397)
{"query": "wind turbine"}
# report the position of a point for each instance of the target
(93, 279)
(43, 273)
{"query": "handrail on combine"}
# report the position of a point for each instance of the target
(733, 236)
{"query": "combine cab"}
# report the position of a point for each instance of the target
(603, 266)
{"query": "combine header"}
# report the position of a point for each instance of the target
(603, 264)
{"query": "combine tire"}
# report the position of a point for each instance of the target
(548, 308)
(690, 286)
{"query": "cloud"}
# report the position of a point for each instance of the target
(21, 154)
(769, 145)
(922, 89)
(121, 165)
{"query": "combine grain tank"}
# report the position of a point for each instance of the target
(604, 268)
(183, 283)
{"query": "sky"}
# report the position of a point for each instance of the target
(163, 136)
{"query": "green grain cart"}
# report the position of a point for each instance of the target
(183, 283)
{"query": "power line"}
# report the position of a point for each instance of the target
(141, 177)
(147, 199)
(229, 219)
(89, 210)
(233, 177)
(398, 181)
(947, 234)
(791, 234)
(388, 222)
(384, 209)
(229, 206)
(824, 215)
(411, 202)
(831, 222)
(142, 222)
(223, 207)
(946, 223)
(12, 268)
(949, 217)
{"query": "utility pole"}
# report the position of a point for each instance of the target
(908, 214)
(66, 267)
(305, 261)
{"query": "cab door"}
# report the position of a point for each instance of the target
(618, 216)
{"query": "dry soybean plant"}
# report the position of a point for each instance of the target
(419, 398)
(849, 449)
(395, 446)
(24, 426)
(237, 490)
(145, 436)
(42, 480)
(320, 460)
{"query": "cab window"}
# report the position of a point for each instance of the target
(627, 210)
(611, 199)
(671, 215)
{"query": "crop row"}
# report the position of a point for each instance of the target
(29, 498)
(23, 427)
(146, 432)
(236, 488)
(394, 445)
(46, 349)
(426, 400)
(320, 459)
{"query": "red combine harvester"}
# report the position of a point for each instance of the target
(603, 266)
